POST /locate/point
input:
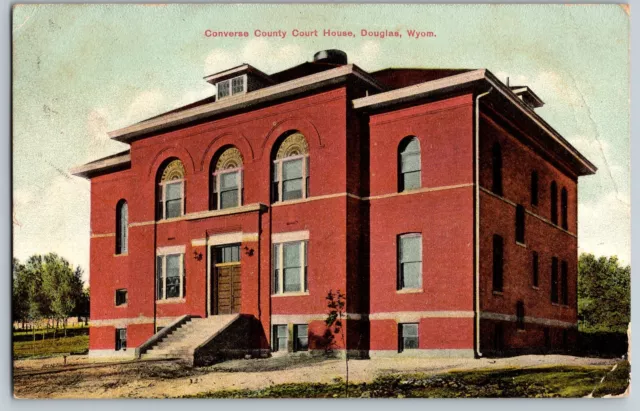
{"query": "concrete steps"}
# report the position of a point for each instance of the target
(182, 342)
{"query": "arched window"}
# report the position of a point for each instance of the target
(122, 227)
(226, 180)
(563, 208)
(409, 164)
(170, 194)
(496, 164)
(554, 202)
(290, 179)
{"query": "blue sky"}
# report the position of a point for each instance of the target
(82, 70)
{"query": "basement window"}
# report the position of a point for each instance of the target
(121, 339)
(121, 297)
(279, 341)
(408, 337)
(300, 337)
(520, 315)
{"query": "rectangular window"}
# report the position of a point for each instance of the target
(121, 297)
(408, 337)
(534, 188)
(170, 276)
(224, 89)
(291, 179)
(564, 281)
(301, 337)
(173, 276)
(231, 87)
(410, 169)
(275, 190)
(520, 224)
(498, 262)
(237, 85)
(121, 339)
(534, 268)
(279, 340)
(227, 190)
(289, 267)
(410, 261)
(228, 254)
(554, 280)
(173, 200)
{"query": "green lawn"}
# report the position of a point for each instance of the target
(76, 342)
(561, 381)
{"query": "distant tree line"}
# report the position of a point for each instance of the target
(48, 289)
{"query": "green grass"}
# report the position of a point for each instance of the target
(49, 331)
(563, 381)
(76, 342)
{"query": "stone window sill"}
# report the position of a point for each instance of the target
(410, 291)
(500, 293)
(523, 245)
(121, 255)
(295, 294)
(171, 301)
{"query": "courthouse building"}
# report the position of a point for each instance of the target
(437, 201)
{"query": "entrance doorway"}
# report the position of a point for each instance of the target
(226, 284)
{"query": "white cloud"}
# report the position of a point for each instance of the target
(604, 227)
(367, 56)
(146, 104)
(219, 60)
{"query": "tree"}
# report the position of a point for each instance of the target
(37, 299)
(20, 293)
(47, 287)
(63, 287)
(604, 294)
(337, 305)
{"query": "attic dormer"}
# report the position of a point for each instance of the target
(238, 80)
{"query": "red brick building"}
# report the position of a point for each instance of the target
(437, 201)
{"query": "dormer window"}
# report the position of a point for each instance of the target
(231, 87)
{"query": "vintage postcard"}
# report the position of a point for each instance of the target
(321, 201)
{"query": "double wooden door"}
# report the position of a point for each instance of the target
(227, 288)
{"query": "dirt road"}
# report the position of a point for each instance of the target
(84, 379)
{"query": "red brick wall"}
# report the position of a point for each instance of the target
(444, 216)
(497, 216)
(321, 118)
